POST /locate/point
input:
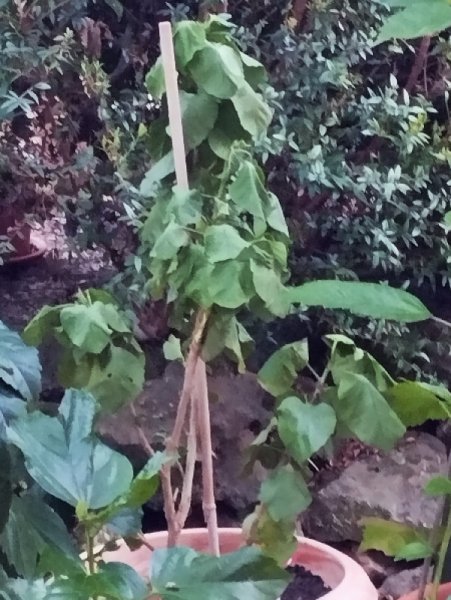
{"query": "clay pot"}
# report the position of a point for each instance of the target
(443, 593)
(344, 576)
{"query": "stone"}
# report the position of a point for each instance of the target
(398, 584)
(237, 413)
(388, 486)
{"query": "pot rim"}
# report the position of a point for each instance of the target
(354, 584)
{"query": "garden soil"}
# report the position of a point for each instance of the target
(304, 586)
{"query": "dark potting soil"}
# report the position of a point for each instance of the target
(304, 586)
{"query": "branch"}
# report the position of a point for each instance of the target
(187, 489)
(419, 63)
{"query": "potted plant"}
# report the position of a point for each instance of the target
(216, 248)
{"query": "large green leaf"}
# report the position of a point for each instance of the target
(416, 18)
(33, 527)
(365, 299)
(269, 288)
(225, 332)
(66, 460)
(281, 370)
(42, 325)
(248, 193)
(254, 114)
(304, 428)
(20, 369)
(364, 411)
(346, 357)
(285, 494)
(189, 38)
(116, 378)
(389, 537)
(225, 287)
(414, 403)
(185, 206)
(223, 242)
(218, 70)
(438, 486)
(246, 573)
(275, 538)
(86, 326)
(195, 128)
(170, 241)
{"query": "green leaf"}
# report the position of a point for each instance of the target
(274, 214)
(365, 412)
(224, 287)
(189, 38)
(199, 114)
(218, 70)
(280, 371)
(172, 349)
(116, 378)
(224, 331)
(42, 325)
(66, 460)
(254, 71)
(155, 82)
(170, 241)
(417, 19)
(185, 206)
(112, 581)
(275, 538)
(227, 130)
(270, 289)
(304, 428)
(86, 326)
(254, 114)
(21, 589)
(161, 169)
(438, 486)
(223, 242)
(415, 404)
(346, 357)
(388, 537)
(246, 573)
(415, 551)
(32, 527)
(248, 193)
(285, 494)
(365, 299)
(20, 369)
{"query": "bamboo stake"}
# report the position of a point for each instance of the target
(195, 389)
(173, 98)
(208, 487)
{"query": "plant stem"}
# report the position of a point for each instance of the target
(442, 553)
(173, 442)
(90, 554)
(433, 542)
(187, 489)
(208, 488)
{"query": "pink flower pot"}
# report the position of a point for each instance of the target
(347, 579)
(443, 593)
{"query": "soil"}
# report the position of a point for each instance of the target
(304, 586)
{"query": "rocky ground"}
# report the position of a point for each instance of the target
(362, 484)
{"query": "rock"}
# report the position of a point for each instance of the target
(237, 412)
(401, 583)
(389, 486)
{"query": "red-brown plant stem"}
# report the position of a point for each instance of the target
(208, 487)
(188, 478)
(173, 442)
(419, 63)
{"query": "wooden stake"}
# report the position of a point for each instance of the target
(173, 98)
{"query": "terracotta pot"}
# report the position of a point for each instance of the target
(343, 575)
(443, 593)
